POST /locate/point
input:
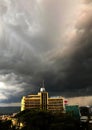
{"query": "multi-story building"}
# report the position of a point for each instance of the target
(42, 101)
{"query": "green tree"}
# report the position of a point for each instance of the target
(44, 120)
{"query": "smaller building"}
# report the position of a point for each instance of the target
(42, 101)
(73, 110)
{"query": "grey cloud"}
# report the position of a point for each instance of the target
(34, 47)
(87, 1)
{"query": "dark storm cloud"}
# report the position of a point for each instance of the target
(71, 68)
(36, 45)
(24, 42)
(81, 70)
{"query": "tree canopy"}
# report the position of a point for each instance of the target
(44, 120)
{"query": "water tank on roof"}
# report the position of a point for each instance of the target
(42, 89)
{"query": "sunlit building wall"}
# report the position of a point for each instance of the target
(42, 101)
(55, 104)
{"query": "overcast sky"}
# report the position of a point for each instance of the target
(48, 40)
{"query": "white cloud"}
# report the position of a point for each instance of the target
(10, 104)
(81, 101)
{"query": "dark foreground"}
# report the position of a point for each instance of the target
(43, 120)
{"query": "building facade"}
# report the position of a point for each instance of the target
(42, 101)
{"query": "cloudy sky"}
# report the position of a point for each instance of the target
(48, 40)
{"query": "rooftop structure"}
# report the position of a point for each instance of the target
(42, 101)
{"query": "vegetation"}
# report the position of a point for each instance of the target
(43, 120)
(5, 125)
